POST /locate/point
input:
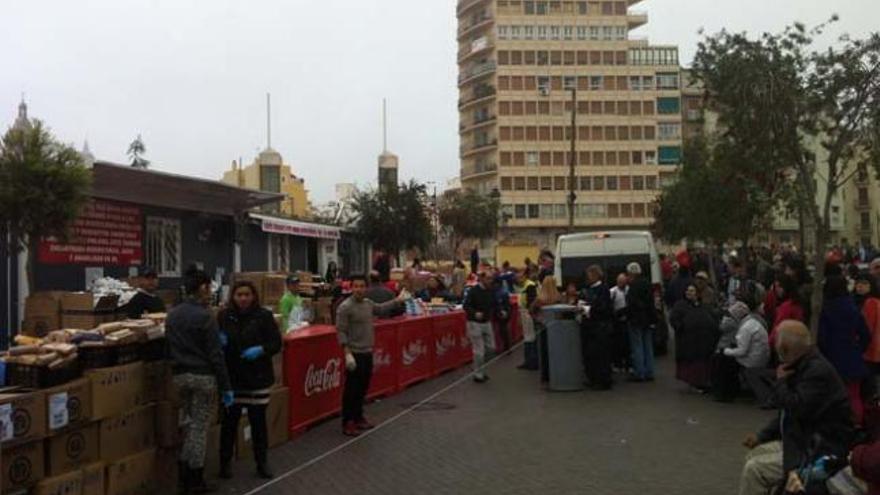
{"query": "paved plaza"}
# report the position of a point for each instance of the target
(511, 437)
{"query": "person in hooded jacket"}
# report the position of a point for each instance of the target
(843, 339)
(696, 335)
(250, 338)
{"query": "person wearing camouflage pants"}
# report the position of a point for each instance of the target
(198, 394)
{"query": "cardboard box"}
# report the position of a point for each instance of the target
(22, 415)
(168, 422)
(63, 484)
(68, 405)
(116, 390)
(42, 313)
(166, 475)
(276, 425)
(278, 369)
(132, 475)
(128, 433)
(273, 289)
(72, 449)
(87, 302)
(212, 453)
(157, 381)
(277, 417)
(22, 466)
(93, 479)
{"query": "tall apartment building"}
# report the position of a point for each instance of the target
(519, 62)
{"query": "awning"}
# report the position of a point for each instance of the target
(150, 187)
(276, 225)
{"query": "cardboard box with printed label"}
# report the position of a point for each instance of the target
(22, 466)
(116, 390)
(68, 405)
(22, 415)
(93, 479)
(87, 302)
(128, 433)
(274, 287)
(132, 475)
(72, 449)
(64, 484)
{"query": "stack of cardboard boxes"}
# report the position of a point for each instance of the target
(54, 310)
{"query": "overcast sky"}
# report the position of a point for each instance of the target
(191, 75)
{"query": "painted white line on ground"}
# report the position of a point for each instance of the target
(378, 427)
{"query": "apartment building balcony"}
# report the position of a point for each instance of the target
(481, 94)
(477, 148)
(476, 72)
(478, 170)
(633, 2)
(637, 19)
(476, 47)
(477, 124)
(466, 5)
(475, 25)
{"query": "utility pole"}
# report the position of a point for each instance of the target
(572, 196)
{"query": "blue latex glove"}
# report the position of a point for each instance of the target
(224, 339)
(252, 353)
(228, 398)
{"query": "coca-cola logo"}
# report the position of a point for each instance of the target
(445, 344)
(319, 380)
(413, 351)
(381, 359)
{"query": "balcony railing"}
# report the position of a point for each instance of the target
(477, 71)
(479, 168)
(478, 93)
(474, 47)
(474, 148)
(466, 27)
(477, 122)
(466, 4)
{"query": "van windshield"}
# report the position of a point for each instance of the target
(574, 268)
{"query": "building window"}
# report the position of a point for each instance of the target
(270, 178)
(279, 253)
(620, 32)
(542, 32)
(670, 155)
(650, 157)
(599, 183)
(528, 32)
(541, 8)
(638, 183)
(596, 82)
(554, 32)
(519, 211)
(582, 33)
(625, 183)
(635, 83)
(506, 184)
(582, 8)
(519, 183)
(546, 183)
(532, 157)
(611, 183)
(568, 32)
(667, 80)
(651, 182)
(668, 131)
(668, 106)
(559, 183)
(594, 33)
(502, 32)
(613, 211)
(569, 82)
(534, 211)
(586, 183)
(547, 211)
(561, 210)
(529, 8)
(865, 221)
(514, 32)
(164, 246)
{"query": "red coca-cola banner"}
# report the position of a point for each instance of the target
(314, 367)
(105, 233)
(414, 339)
(384, 381)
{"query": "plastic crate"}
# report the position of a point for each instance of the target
(107, 356)
(22, 375)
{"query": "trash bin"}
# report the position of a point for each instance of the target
(565, 363)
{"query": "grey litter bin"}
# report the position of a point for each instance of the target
(566, 366)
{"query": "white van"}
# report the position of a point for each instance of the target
(612, 251)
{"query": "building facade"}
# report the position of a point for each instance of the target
(519, 64)
(269, 173)
(862, 203)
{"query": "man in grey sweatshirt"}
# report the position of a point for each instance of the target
(354, 326)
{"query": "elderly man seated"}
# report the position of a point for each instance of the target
(814, 418)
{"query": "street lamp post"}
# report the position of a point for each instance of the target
(572, 196)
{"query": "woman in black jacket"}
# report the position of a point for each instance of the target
(250, 338)
(696, 335)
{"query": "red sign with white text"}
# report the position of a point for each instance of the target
(314, 367)
(385, 364)
(105, 233)
(415, 341)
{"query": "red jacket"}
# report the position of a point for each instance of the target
(871, 312)
(865, 459)
(788, 310)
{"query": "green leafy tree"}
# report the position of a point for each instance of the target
(393, 219)
(468, 215)
(43, 186)
(136, 151)
(799, 122)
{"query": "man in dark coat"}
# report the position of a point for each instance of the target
(814, 420)
(642, 315)
(145, 300)
(597, 330)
